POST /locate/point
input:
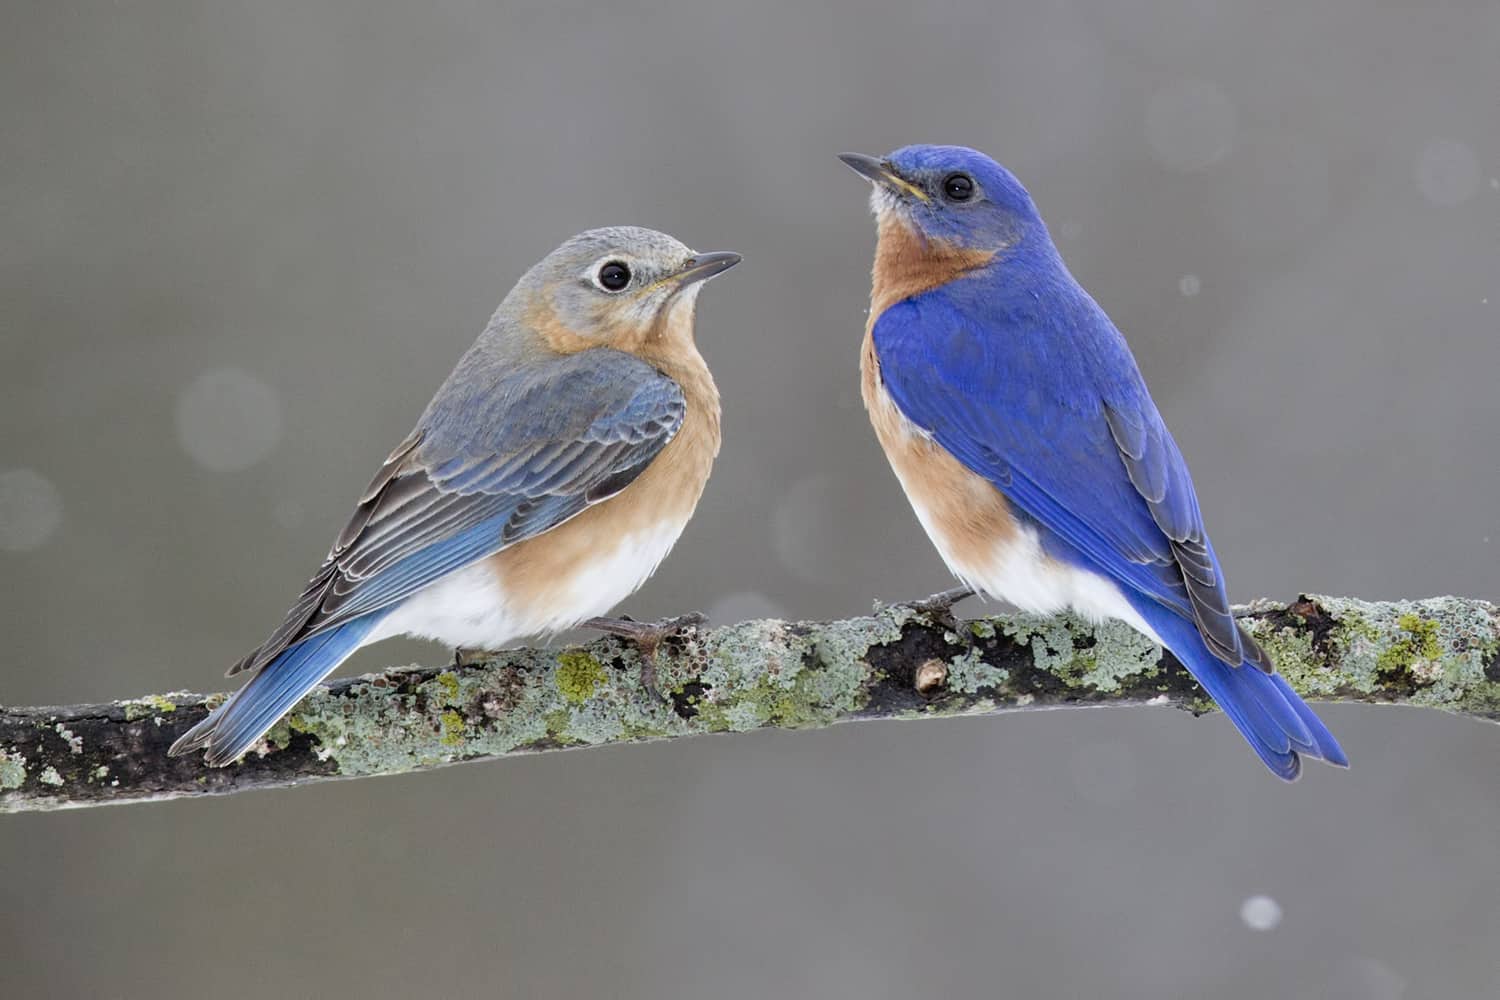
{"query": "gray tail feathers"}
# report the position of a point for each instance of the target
(234, 726)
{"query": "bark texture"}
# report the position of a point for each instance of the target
(1440, 653)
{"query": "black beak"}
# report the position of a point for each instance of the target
(867, 167)
(880, 172)
(702, 266)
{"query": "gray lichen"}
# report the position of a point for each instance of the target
(1091, 657)
(1432, 652)
(1443, 653)
(12, 769)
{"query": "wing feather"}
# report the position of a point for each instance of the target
(1089, 458)
(550, 440)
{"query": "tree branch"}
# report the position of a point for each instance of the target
(898, 663)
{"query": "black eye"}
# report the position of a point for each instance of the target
(614, 276)
(958, 187)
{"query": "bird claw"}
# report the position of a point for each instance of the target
(470, 657)
(939, 606)
(647, 638)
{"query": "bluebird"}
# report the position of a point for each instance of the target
(545, 482)
(1014, 415)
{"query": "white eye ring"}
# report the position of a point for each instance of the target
(613, 276)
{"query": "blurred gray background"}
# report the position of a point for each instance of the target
(243, 243)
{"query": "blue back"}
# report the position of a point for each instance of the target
(1016, 371)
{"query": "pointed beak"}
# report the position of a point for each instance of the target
(881, 172)
(702, 266)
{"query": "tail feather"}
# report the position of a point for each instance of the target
(234, 726)
(1328, 748)
(1278, 724)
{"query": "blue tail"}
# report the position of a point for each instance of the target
(1263, 707)
(234, 726)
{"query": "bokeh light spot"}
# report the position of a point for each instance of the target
(30, 510)
(743, 606)
(228, 420)
(1260, 913)
(803, 533)
(1364, 979)
(1190, 125)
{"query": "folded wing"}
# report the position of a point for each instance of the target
(1088, 458)
(520, 452)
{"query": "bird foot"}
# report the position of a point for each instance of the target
(647, 638)
(471, 657)
(939, 606)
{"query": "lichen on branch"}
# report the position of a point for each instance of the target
(896, 663)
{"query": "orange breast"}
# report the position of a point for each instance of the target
(539, 574)
(967, 518)
(908, 264)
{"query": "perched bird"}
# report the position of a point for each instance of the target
(1013, 413)
(548, 477)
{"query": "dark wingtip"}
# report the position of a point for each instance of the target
(242, 665)
(218, 757)
(194, 739)
(1254, 655)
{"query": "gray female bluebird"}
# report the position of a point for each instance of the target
(545, 482)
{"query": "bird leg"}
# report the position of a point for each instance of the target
(470, 657)
(647, 637)
(939, 606)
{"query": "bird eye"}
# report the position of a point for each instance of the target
(958, 187)
(614, 276)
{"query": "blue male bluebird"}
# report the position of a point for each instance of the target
(1014, 415)
(545, 482)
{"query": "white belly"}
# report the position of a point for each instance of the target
(472, 609)
(606, 579)
(1017, 571)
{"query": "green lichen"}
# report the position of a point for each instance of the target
(376, 726)
(49, 776)
(579, 675)
(1083, 656)
(12, 769)
(448, 681)
(453, 729)
(1050, 641)
(796, 675)
(769, 673)
(1412, 660)
(642, 731)
(1119, 654)
(807, 701)
(558, 722)
(1430, 652)
(154, 704)
(1291, 650)
(968, 674)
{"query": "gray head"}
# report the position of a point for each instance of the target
(620, 287)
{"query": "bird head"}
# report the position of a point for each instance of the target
(622, 287)
(951, 196)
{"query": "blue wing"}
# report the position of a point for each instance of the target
(1060, 420)
(500, 456)
(1050, 407)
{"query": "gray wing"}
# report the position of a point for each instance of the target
(497, 458)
